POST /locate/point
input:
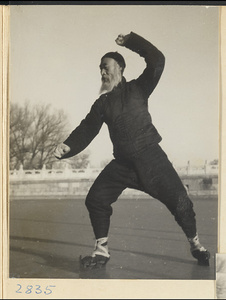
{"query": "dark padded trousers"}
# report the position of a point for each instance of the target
(151, 172)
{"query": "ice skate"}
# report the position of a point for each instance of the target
(199, 252)
(202, 256)
(94, 262)
(99, 257)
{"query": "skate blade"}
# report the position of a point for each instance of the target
(89, 265)
(202, 257)
(204, 262)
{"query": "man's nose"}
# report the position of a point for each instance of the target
(103, 72)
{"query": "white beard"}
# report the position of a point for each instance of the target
(109, 83)
(106, 86)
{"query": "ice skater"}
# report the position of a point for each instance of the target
(139, 161)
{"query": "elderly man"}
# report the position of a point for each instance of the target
(139, 161)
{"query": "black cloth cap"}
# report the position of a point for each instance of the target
(117, 57)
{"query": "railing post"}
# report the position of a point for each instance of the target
(205, 167)
(21, 170)
(188, 167)
(43, 171)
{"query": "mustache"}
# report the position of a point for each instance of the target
(106, 78)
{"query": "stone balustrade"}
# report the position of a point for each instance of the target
(91, 173)
(76, 182)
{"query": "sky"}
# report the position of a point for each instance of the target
(55, 52)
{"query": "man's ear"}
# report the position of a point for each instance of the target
(121, 69)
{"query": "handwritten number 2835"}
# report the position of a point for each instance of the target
(36, 289)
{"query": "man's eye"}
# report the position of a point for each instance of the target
(104, 69)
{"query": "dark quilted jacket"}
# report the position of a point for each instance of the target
(124, 109)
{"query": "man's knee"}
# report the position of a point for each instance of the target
(90, 201)
(97, 203)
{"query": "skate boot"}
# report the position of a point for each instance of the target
(199, 252)
(99, 257)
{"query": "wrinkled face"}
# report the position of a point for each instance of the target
(111, 74)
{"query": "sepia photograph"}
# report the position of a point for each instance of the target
(113, 143)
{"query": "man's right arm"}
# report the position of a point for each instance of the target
(82, 136)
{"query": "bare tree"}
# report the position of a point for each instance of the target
(20, 124)
(214, 162)
(34, 132)
(80, 161)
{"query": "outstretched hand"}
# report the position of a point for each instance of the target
(61, 150)
(121, 39)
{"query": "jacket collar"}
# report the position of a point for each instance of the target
(120, 85)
